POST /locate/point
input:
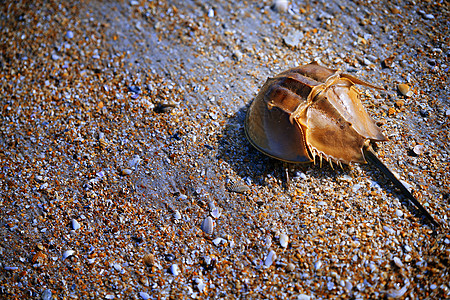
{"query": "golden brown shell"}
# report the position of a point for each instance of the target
(311, 110)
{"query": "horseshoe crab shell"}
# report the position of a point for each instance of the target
(308, 111)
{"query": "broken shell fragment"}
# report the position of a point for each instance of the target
(238, 187)
(208, 225)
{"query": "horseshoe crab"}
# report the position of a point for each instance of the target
(313, 111)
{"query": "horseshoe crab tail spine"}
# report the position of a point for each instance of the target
(372, 158)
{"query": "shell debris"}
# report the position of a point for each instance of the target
(238, 187)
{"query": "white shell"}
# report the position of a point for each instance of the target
(418, 149)
(218, 241)
(270, 258)
(74, 224)
(174, 269)
(215, 213)
(68, 253)
(280, 5)
(284, 240)
(208, 225)
(177, 215)
(398, 262)
(144, 295)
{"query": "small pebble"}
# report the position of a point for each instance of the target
(174, 270)
(125, 172)
(399, 213)
(149, 260)
(405, 90)
(293, 38)
(177, 215)
(74, 224)
(68, 253)
(69, 34)
(270, 258)
(47, 294)
(398, 262)
(317, 265)
(284, 240)
(290, 267)
(144, 295)
(208, 225)
(388, 229)
(210, 13)
(117, 267)
(237, 55)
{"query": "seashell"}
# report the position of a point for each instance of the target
(238, 187)
(165, 107)
(117, 267)
(405, 90)
(177, 215)
(47, 294)
(280, 5)
(218, 241)
(270, 258)
(91, 261)
(397, 293)
(125, 172)
(74, 224)
(388, 62)
(317, 265)
(216, 213)
(174, 270)
(418, 149)
(208, 225)
(284, 240)
(135, 161)
(103, 143)
(68, 253)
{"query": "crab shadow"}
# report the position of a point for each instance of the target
(249, 163)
